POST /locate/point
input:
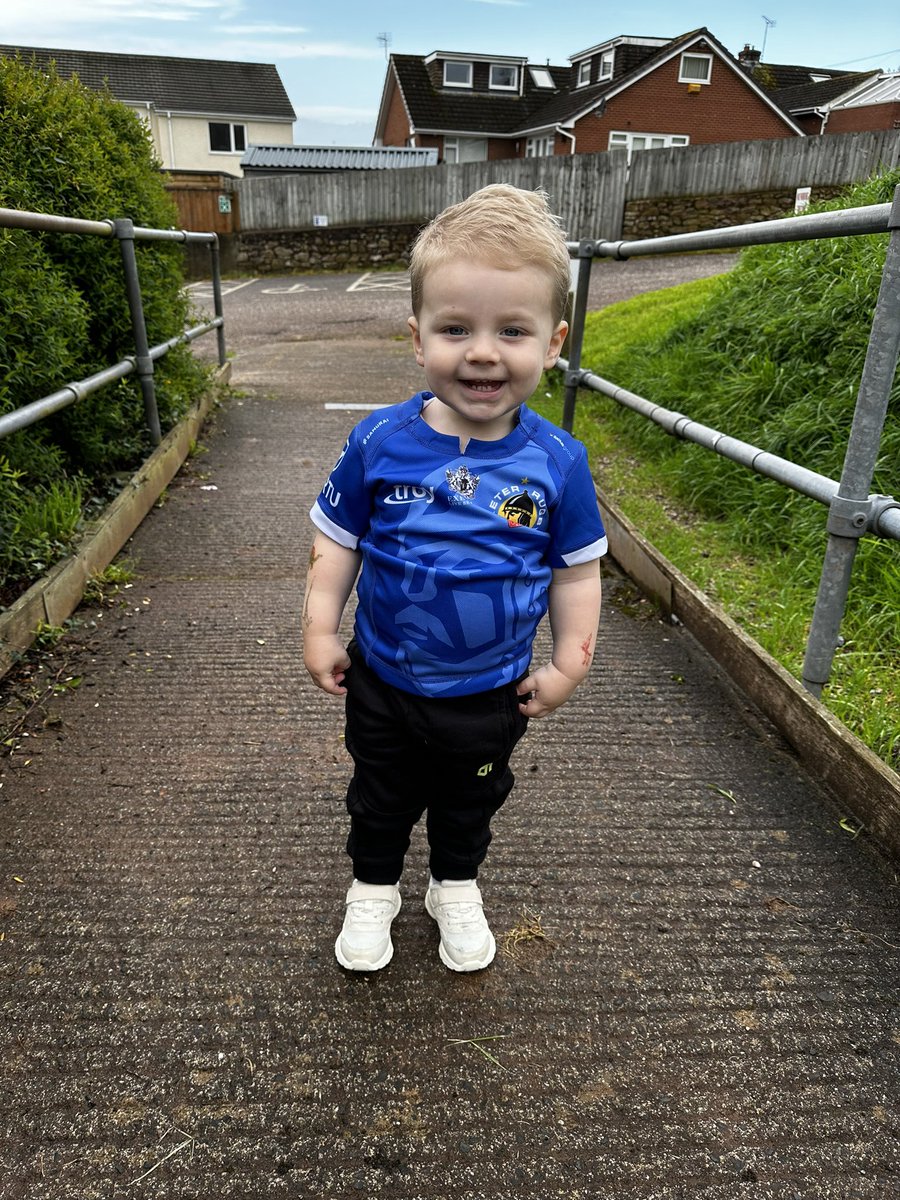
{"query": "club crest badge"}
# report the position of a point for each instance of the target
(463, 481)
(519, 510)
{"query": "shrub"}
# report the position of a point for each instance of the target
(67, 150)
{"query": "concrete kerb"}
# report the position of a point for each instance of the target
(858, 778)
(54, 597)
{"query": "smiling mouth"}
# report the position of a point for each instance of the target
(485, 386)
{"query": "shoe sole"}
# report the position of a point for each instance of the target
(475, 965)
(363, 964)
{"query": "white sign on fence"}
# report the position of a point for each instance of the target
(801, 199)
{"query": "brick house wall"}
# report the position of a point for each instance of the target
(865, 117)
(725, 109)
(396, 131)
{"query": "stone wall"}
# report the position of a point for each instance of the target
(345, 248)
(360, 248)
(665, 215)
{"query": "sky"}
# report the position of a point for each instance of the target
(332, 56)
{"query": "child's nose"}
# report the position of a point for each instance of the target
(482, 348)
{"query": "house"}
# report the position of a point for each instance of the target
(872, 103)
(631, 92)
(806, 93)
(809, 103)
(324, 160)
(202, 113)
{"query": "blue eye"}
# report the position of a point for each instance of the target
(512, 332)
(454, 330)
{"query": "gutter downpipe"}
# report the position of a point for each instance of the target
(570, 136)
(171, 138)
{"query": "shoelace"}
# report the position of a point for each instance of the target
(461, 914)
(373, 912)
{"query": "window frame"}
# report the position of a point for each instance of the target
(503, 87)
(540, 147)
(607, 60)
(623, 139)
(455, 62)
(698, 56)
(231, 126)
(584, 68)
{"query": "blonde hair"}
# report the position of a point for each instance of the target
(502, 225)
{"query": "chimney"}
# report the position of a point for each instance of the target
(749, 57)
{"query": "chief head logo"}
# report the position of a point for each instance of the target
(519, 510)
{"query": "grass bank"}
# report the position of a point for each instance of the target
(771, 353)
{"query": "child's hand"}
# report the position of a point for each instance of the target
(326, 661)
(545, 690)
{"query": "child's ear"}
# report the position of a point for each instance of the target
(555, 346)
(417, 340)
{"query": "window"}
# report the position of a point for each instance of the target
(606, 64)
(538, 147)
(460, 150)
(225, 138)
(646, 141)
(695, 68)
(458, 74)
(584, 73)
(504, 78)
(541, 77)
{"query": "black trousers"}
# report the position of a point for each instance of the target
(412, 754)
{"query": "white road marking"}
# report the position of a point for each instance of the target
(206, 290)
(374, 281)
(355, 407)
(297, 287)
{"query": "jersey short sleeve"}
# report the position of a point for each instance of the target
(577, 530)
(343, 509)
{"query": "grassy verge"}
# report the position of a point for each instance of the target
(760, 559)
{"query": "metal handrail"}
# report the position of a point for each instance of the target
(142, 360)
(852, 509)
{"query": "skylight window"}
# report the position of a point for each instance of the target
(541, 77)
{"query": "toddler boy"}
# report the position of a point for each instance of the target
(470, 517)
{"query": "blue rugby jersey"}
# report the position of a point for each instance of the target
(458, 549)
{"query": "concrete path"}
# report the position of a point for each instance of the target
(695, 995)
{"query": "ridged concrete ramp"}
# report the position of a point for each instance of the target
(696, 993)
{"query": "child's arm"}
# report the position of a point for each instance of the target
(574, 617)
(329, 581)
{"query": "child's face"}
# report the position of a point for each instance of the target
(484, 335)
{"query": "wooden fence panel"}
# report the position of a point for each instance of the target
(779, 163)
(588, 191)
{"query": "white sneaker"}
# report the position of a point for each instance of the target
(364, 943)
(467, 943)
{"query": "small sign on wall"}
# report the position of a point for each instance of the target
(224, 203)
(801, 199)
(320, 220)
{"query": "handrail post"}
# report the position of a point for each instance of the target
(124, 231)
(217, 296)
(849, 515)
(585, 258)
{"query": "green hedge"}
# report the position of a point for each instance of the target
(64, 315)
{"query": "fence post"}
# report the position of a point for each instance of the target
(850, 513)
(124, 231)
(217, 296)
(585, 258)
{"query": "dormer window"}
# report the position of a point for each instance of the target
(457, 74)
(584, 73)
(503, 78)
(695, 68)
(606, 64)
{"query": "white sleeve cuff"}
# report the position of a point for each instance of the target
(586, 553)
(325, 524)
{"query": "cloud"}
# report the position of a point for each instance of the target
(503, 3)
(258, 30)
(335, 114)
(279, 51)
